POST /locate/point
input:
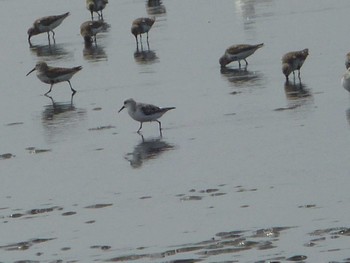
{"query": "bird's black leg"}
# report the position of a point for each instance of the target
(246, 62)
(160, 128)
(49, 90)
(287, 79)
(48, 37)
(160, 125)
(53, 36)
(73, 90)
(147, 41)
(141, 43)
(140, 127)
(239, 63)
(92, 15)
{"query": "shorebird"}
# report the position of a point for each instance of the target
(96, 6)
(46, 24)
(293, 61)
(52, 75)
(347, 60)
(142, 112)
(89, 29)
(345, 81)
(140, 26)
(238, 53)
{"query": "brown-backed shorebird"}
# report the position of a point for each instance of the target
(89, 29)
(140, 26)
(142, 112)
(52, 75)
(96, 6)
(293, 61)
(238, 53)
(46, 24)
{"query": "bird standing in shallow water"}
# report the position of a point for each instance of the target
(140, 26)
(238, 53)
(142, 112)
(52, 75)
(293, 61)
(89, 29)
(46, 24)
(96, 6)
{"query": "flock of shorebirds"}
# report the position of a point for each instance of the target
(51, 75)
(141, 112)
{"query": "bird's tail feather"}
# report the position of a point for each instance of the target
(78, 68)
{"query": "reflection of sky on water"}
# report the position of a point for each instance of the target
(249, 10)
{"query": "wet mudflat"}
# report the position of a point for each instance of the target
(249, 168)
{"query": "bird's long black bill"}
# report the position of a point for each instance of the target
(122, 108)
(30, 71)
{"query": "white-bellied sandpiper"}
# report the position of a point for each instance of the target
(143, 112)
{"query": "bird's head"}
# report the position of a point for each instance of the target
(286, 69)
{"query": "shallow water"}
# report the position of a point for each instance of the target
(249, 168)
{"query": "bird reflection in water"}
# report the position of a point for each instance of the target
(296, 91)
(58, 118)
(348, 115)
(155, 7)
(145, 56)
(94, 53)
(297, 94)
(242, 77)
(147, 149)
(50, 52)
